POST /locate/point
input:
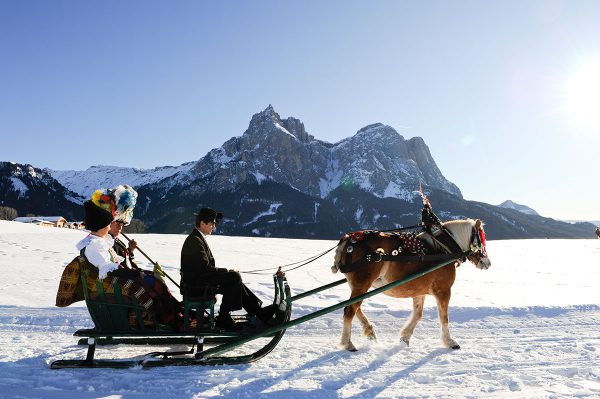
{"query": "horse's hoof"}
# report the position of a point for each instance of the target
(455, 346)
(349, 347)
(406, 341)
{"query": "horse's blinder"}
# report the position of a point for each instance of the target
(478, 242)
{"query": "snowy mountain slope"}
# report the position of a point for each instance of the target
(85, 182)
(528, 328)
(518, 207)
(33, 190)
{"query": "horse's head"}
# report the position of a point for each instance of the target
(470, 236)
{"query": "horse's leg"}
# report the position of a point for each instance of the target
(443, 299)
(415, 317)
(349, 312)
(368, 330)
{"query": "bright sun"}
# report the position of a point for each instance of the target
(582, 94)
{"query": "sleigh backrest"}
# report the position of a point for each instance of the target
(110, 312)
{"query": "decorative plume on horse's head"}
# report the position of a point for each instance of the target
(119, 201)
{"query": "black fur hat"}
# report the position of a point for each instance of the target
(208, 215)
(96, 218)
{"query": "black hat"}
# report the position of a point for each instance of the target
(209, 215)
(96, 218)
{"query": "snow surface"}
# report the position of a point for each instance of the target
(272, 211)
(19, 186)
(529, 327)
(333, 176)
(284, 130)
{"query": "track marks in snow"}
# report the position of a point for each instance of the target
(505, 352)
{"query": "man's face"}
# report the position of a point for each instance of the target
(207, 228)
(115, 228)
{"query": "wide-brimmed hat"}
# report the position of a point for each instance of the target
(209, 215)
(96, 218)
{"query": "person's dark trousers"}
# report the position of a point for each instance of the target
(235, 293)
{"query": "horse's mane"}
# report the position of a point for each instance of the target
(461, 231)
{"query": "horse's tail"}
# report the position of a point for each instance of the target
(338, 254)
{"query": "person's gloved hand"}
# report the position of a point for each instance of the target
(132, 245)
(158, 272)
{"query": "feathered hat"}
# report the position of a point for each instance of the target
(119, 201)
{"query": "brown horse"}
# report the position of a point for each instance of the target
(467, 234)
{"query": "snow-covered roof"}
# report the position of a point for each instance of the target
(30, 219)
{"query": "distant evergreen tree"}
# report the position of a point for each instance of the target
(7, 213)
(135, 227)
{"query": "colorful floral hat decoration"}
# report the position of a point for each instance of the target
(125, 198)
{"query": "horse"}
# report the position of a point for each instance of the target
(374, 271)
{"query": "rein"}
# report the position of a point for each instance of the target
(402, 228)
(303, 262)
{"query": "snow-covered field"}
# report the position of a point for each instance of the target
(528, 327)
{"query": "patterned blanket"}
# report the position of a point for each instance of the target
(70, 289)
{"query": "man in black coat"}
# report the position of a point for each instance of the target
(198, 271)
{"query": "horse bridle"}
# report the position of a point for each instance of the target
(478, 241)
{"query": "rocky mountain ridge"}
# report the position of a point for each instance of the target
(377, 159)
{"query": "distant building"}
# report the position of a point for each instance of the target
(49, 221)
(75, 225)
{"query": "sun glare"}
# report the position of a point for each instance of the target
(582, 94)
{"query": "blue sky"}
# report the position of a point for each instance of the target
(504, 93)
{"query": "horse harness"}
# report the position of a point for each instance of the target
(410, 247)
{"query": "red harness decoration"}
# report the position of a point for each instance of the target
(357, 236)
(482, 237)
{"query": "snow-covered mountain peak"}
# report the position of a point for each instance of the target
(375, 135)
(518, 207)
(22, 170)
(268, 122)
(263, 119)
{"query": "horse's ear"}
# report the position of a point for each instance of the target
(478, 224)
